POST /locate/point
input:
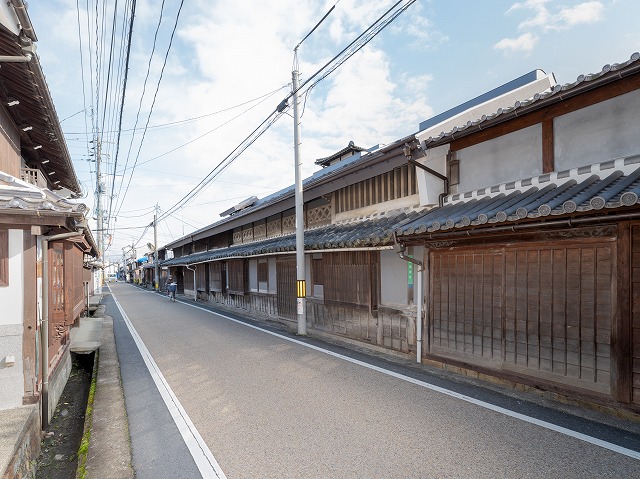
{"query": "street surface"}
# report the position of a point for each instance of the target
(267, 405)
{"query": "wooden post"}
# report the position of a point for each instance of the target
(621, 331)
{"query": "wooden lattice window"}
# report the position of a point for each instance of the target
(351, 277)
(216, 271)
(317, 273)
(397, 183)
(237, 276)
(4, 258)
(263, 271)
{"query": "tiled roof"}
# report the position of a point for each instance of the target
(602, 187)
(558, 93)
(331, 171)
(368, 233)
(16, 194)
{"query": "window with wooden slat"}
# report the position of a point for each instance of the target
(317, 271)
(237, 278)
(4, 258)
(397, 183)
(216, 278)
(263, 271)
(351, 277)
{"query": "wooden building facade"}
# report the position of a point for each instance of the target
(247, 261)
(524, 220)
(533, 279)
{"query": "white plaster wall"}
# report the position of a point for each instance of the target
(11, 318)
(429, 186)
(393, 279)
(511, 157)
(11, 296)
(598, 133)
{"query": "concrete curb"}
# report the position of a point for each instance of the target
(109, 452)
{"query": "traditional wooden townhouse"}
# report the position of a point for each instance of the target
(247, 260)
(358, 286)
(44, 239)
(532, 263)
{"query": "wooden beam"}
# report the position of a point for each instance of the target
(548, 160)
(562, 107)
(621, 337)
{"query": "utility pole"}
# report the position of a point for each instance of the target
(301, 289)
(155, 249)
(99, 214)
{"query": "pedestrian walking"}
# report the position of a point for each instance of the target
(171, 289)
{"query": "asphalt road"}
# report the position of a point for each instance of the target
(269, 407)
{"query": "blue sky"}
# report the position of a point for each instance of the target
(436, 55)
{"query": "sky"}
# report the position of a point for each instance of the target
(228, 66)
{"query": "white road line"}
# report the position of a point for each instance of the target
(532, 420)
(207, 464)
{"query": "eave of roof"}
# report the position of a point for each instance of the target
(319, 178)
(608, 74)
(606, 187)
(26, 83)
(370, 233)
(19, 195)
(351, 147)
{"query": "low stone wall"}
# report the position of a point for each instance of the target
(20, 436)
(58, 380)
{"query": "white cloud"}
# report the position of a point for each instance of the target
(225, 53)
(584, 13)
(524, 42)
(562, 18)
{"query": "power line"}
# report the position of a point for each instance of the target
(187, 120)
(330, 67)
(124, 88)
(153, 102)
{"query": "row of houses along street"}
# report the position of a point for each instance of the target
(500, 240)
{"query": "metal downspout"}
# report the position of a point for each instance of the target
(399, 249)
(44, 327)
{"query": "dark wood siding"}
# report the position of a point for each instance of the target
(536, 309)
(216, 276)
(635, 313)
(349, 277)
(286, 287)
(237, 273)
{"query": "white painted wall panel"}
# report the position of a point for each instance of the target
(11, 297)
(508, 158)
(598, 133)
(393, 279)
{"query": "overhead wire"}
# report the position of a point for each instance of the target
(124, 88)
(150, 111)
(330, 67)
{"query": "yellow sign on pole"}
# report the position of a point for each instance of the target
(301, 286)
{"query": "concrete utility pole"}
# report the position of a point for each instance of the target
(155, 249)
(99, 214)
(301, 288)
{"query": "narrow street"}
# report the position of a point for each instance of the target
(269, 405)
